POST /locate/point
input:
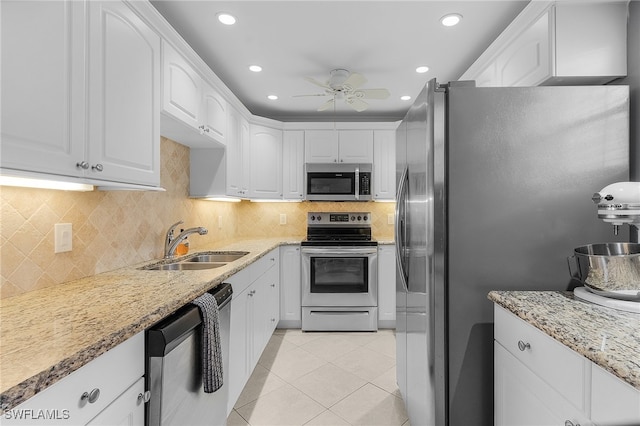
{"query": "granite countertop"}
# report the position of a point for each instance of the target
(608, 337)
(47, 334)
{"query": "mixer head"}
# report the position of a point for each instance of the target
(619, 204)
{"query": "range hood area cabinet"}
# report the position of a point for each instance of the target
(557, 44)
(194, 113)
(338, 146)
(81, 84)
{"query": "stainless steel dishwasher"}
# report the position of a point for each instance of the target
(174, 371)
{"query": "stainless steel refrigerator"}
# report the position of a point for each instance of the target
(494, 192)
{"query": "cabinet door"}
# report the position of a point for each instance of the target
(124, 101)
(386, 286)
(320, 146)
(522, 398)
(214, 113)
(234, 154)
(266, 163)
(290, 282)
(42, 71)
(356, 146)
(293, 165)
(181, 94)
(384, 165)
(239, 345)
(126, 410)
(272, 281)
(613, 402)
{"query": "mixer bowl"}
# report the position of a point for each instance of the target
(608, 269)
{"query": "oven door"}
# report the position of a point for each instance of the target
(339, 276)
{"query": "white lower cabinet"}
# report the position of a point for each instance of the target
(387, 286)
(538, 381)
(290, 284)
(255, 309)
(104, 391)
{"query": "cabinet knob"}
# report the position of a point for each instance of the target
(91, 396)
(144, 397)
(523, 346)
(82, 165)
(97, 168)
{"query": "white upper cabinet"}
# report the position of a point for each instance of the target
(238, 155)
(341, 146)
(194, 113)
(557, 43)
(293, 165)
(92, 115)
(384, 165)
(124, 95)
(266, 163)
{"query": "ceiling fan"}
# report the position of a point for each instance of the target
(343, 84)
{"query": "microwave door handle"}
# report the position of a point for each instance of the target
(357, 192)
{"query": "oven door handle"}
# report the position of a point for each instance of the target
(340, 251)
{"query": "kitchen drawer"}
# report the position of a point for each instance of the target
(613, 402)
(112, 373)
(560, 367)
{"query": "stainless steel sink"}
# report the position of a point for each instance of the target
(216, 257)
(199, 261)
(185, 266)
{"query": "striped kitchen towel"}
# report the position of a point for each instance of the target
(210, 349)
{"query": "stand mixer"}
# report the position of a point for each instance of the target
(618, 204)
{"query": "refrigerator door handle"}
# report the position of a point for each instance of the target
(401, 228)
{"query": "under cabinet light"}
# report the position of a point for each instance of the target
(44, 184)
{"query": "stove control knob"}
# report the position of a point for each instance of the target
(365, 218)
(319, 218)
(313, 218)
(353, 218)
(359, 218)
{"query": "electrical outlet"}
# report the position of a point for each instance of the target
(283, 218)
(63, 234)
(220, 222)
(390, 219)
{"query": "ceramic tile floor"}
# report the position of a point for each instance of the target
(323, 378)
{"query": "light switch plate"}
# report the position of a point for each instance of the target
(390, 219)
(63, 237)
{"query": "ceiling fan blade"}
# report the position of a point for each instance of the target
(326, 105)
(357, 104)
(373, 93)
(355, 80)
(316, 94)
(317, 83)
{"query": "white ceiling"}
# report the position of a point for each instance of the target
(383, 40)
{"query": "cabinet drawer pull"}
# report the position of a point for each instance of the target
(91, 396)
(523, 346)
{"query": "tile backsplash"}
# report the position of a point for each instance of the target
(114, 229)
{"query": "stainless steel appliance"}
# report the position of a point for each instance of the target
(338, 182)
(339, 273)
(491, 185)
(174, 372)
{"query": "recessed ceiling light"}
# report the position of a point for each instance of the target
(226, 18)
(405, 98)
(451, 19)
(255, 68)
(272, 97)
(422, 69)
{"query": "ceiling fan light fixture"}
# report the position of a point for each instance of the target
(255, 68)
(226, 18)
(451, 19)
(422, 69)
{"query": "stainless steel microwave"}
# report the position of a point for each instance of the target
(338, 182)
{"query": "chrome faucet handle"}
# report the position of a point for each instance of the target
(169, 235)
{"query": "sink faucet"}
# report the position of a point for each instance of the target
(170, 243)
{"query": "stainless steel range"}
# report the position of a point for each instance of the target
(339, 273)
